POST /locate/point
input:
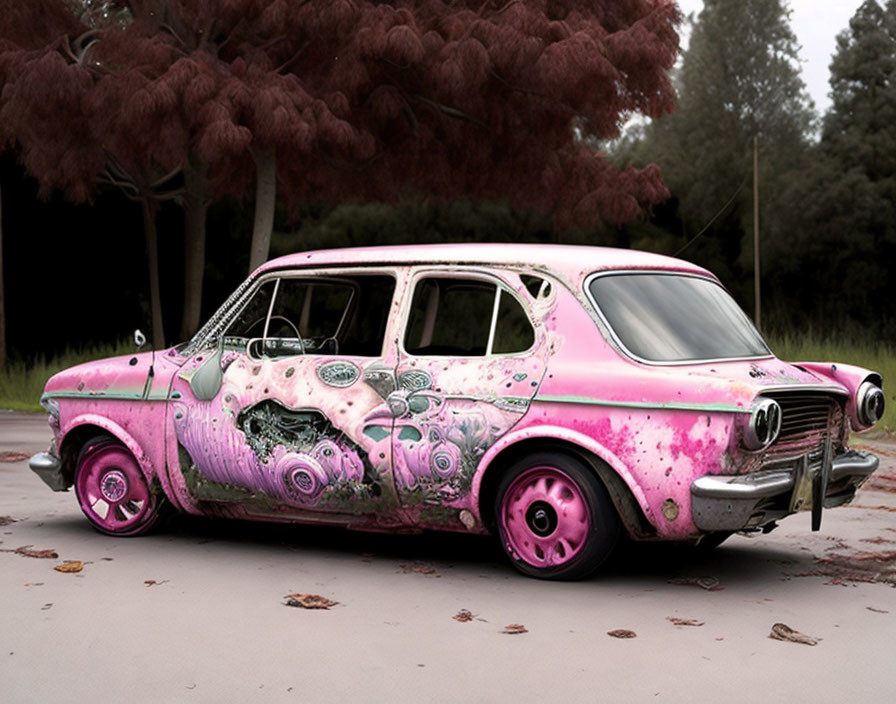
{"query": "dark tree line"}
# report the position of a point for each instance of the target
(827, 186)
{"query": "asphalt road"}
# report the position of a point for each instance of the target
(196, 613)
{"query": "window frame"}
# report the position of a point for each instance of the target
(229, 316)
(502, 288)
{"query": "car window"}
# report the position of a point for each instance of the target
(675, 318)
(344, 315)
(458, 317)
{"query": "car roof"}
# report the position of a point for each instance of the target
(573, 261)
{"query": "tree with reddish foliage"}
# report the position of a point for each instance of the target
(353, 99)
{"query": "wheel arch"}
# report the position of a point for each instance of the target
(626, 495)
(82, 429)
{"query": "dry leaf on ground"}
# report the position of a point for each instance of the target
(514, 628)
(154, 583)
(877, 611)
(420, 569)
(42, 554)
(622, 633)
(781, 631)
(6, 520)
(13, 456)
(309, 601)
(710, 584)
(70, 566)
(463, 616)
(684, 621)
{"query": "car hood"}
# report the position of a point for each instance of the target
(126, 377)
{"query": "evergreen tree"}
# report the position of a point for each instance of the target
(843, 208)
(739, 78)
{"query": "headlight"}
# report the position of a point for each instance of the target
(869, 403)
(764, 425)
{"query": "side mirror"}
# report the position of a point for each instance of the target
(139, 339)
(206, 381)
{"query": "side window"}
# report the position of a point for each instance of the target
(465, 318)
(323, 315)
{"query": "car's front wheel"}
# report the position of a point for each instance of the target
(555, 519)
(112, 490)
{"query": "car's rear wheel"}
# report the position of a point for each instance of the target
(112, 490)
(555, 519)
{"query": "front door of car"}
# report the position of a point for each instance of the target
(276, 419)
(472, 356)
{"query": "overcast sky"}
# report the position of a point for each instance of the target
(816, 24)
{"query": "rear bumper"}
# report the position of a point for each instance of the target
(722, 503)
(49, 468)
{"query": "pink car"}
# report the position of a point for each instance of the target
(555, 395)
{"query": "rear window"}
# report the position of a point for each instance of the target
(675, 318)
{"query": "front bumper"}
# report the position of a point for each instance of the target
(49, 468)
(731, 503)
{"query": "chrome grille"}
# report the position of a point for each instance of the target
(805, 419)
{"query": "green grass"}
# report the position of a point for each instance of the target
(875, 356)
(23, 382)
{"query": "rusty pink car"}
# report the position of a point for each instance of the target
(558, 396)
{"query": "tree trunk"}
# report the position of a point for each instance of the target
(2, 302)
(195, 210)
(150, 209)
(265, 202)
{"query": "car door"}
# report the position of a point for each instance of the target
(275, 419)
(471, 357)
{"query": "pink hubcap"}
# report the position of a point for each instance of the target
(545, 517)
(111, 489)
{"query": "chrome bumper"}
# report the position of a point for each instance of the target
(730, 503)
(49, 468)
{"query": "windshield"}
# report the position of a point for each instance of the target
(675, 318)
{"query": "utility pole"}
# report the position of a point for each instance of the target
(756, 297)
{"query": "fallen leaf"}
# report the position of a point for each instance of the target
(463, 616)
(781, 631)
(420, 569)
(622, 633)
(43, 554)
(46, 607)
(153, 583)
(13, 456)
(514, 628)
(876, 541)
(710, 584)
(6, 520)
(684, 621)
(877, 611)
(70, 566)
(309, 601)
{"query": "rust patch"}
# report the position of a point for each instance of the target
(309, 601)
(622, 633)
(781, 631)
(670, 510)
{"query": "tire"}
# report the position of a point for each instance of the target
(555, 519)
(112, 490)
